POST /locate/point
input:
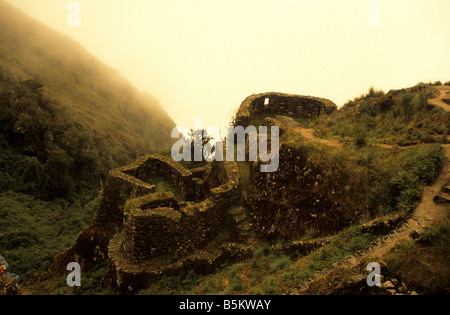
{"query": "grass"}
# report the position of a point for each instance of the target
(403, 119)
(268, 272)
(163, 185)
(359, 136)
(280, 264)
(423, 263)
(258, 120)
(244, 174)
(32, 231)
(348, 242)
(396, 177)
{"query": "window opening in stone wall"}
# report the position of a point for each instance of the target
(266, 101)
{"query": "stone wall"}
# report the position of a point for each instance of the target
(282, 104)
(309, 193)
(151, 232)
(156, 224)
(128, 278)
(166, 167)
(119, 187)
(91, 246)
(123, 184)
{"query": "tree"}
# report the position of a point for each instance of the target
(33, 176)
(57, 168)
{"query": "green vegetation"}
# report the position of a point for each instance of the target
(66, 119)
(52, 169)
(244, 175)
(397, 180)
(163, 185)
(258, 120)
(403, 119)
(385, 181)
(435, 83)
(39, 283)
(177, 285)
(33, 231)
(423, 263)
(268, 272)
(44, 154)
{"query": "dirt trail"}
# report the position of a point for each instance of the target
(309, 134)
(423, 216)
(445, 93)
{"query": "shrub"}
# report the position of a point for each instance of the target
(374, 93)
(366, 156)
(436, 83)
(359, 136)
(262, 251)
(404, 190)
(423, 264)
(424, 162)
(235, 285)
(280, 263)
(270, 286)
(210, 286)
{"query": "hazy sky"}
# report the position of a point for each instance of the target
(201, 58)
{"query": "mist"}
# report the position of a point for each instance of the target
(202, 58)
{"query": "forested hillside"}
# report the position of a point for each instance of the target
(66, 119)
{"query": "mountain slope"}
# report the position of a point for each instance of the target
(95, 96)
(66, 119)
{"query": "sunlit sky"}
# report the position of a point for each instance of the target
(201, 58)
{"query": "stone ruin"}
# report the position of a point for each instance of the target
(146, 234)
(156, 225)
(290, 105)
(135, 224)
